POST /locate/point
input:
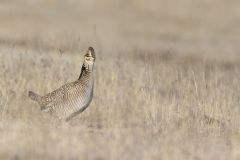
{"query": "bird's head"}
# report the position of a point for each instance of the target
(89, 58)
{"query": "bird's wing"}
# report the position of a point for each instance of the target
(58, 95)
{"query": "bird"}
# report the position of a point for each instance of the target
(72, 98)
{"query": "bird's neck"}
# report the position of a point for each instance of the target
(86, 71)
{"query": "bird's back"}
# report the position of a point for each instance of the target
(71, 98)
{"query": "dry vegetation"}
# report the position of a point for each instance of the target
(166, 80)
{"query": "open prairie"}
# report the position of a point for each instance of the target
(167, 79)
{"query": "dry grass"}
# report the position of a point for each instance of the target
(166, 79)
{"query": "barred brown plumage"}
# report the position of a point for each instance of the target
(72, 98)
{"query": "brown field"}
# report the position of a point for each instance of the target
(167, 78)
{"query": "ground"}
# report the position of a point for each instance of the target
(167, 78)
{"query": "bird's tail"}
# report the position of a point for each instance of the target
(34, 96)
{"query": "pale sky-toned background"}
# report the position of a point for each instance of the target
(186, 27)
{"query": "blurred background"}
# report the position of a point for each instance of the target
(167, 78)
(206, 28)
